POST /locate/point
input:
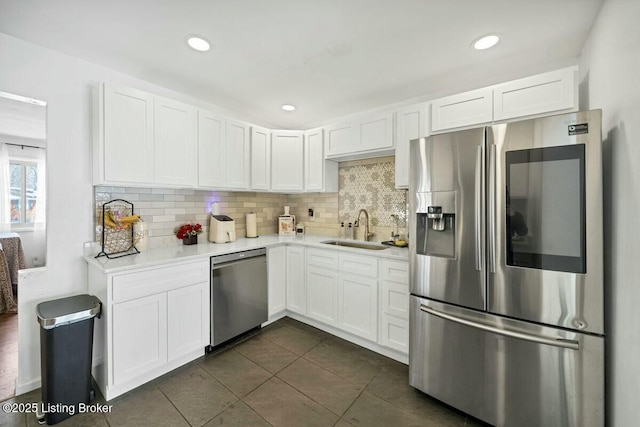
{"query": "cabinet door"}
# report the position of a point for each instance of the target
(211, 149)
(188, 325)
(128, 135)
(461, 110)
(139, 337)
(543, 93)
(296, 280)
(341, 138)
(394, 333)
(314, 160)
(358, 305)
(237, 155)
(277, 271)
(395, 299)
(175, 143)
(287, 160)
(260, 158)
(376, 132)
(411, 122)
(322, 295)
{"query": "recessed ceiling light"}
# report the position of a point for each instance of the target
(198, 43)
(486, 42)
(288, 107)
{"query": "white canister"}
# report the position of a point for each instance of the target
(141, 235)
(300, 229)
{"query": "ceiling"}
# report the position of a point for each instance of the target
(330, 58)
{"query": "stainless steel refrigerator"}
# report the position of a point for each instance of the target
(506, 265)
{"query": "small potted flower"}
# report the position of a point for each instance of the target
(188, 233)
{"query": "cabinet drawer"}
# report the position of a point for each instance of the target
(396, 271)
(394, 333)
(395, 299)
(358, 264)
(162, 279)
(322, 258)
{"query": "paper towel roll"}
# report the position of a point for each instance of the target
(215, 208)
(252, 228)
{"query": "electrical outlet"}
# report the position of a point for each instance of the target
(312, 215)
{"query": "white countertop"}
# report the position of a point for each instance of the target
(205, 249)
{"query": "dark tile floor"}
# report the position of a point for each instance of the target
(287, 374)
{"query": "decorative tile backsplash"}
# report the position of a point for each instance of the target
(370, 184)
(367, 184)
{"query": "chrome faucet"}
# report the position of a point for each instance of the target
(367, 234)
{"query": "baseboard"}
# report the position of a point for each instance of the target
(28, 386)
(362, 342)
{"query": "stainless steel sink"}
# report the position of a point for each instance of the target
(355, 245)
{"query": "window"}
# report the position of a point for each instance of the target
(24, 192)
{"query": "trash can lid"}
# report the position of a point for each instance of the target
(63, 311)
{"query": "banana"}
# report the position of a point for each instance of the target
(129, 219)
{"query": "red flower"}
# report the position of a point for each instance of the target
(187, 230)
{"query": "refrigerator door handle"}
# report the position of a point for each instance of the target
(557, 342)
(478, 208)
(492, 208)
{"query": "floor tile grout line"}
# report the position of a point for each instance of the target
(361, 392)
(173, 404)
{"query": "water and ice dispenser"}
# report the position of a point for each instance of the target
(436, 224)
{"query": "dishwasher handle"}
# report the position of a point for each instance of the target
(229, 264)
(217, 261)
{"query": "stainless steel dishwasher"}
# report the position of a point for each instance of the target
(238, 294)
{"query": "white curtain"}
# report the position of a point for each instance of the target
(5, 192)
(41, 206)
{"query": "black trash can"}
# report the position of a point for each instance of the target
(66, 344)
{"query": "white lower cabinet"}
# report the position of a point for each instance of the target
(394, 305)
(155, 320)
(296, 280)
(322, 295)
(342, 291)
(358, 305)
(277, 272)
(394, 333)
(139, 337)
(188, 321)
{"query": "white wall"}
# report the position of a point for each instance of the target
(610, 69)
(66, 84)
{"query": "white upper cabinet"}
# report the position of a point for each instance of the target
(366, 136)
(175, 143)
(376, 132)
(544, 93)
(341, 138)
(461, 110)
(411, 122)
(124, 141)
(287, 160)
(237, 155)
(319, 174)
(538, 95)
(260, 158)
(211, 149)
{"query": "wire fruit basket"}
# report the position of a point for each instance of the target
(118, 237)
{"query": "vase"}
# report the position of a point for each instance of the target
(190, 240)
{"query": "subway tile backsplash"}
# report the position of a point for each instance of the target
(164, 210)
(367, 184)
